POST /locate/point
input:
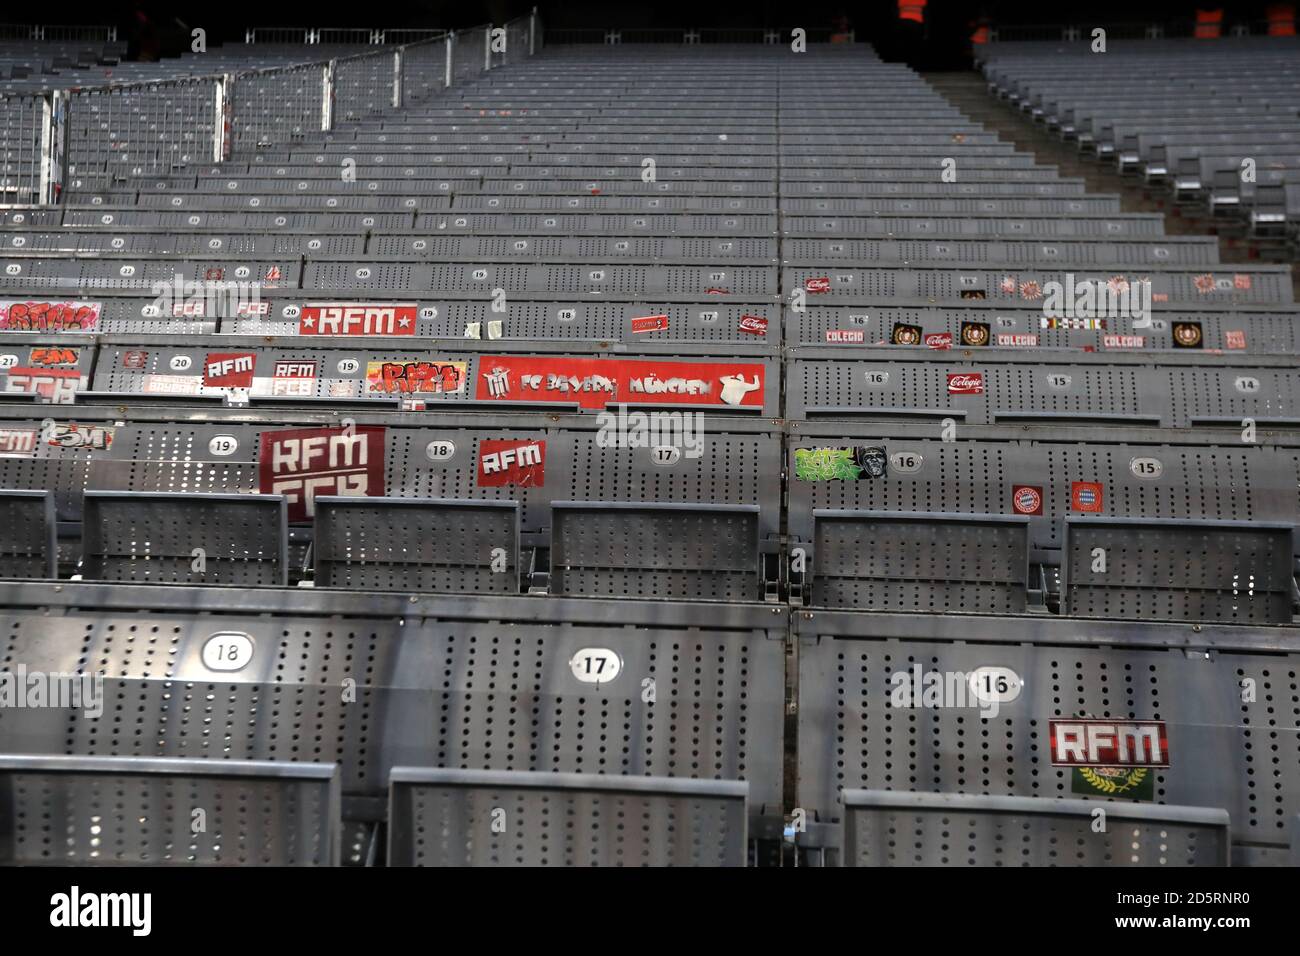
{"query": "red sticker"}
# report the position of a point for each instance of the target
(229, 369)
(48, 316)
(1080, 742)
(966, 383)
(511, 462)
(845, 335)
(1240, 280)
(1027, 499)
(1086, 496)
(753, 324)
(1234, 339)
(336, 318)
(939, 340)
(818, 285)
(650, 323)
(597, 382)
(303, 463)
(135, 359)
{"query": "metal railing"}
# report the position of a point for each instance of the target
(1171, 29)
(57, 33)
(154, 127)
(276, 105)
(27, 168)
(365, 36)
(689, 35)
(147, 128)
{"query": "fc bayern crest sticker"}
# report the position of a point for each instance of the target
(1027, 499)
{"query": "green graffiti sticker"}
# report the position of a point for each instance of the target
(839, 464)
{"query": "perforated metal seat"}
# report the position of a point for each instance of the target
(1231, 572)
(920, 561)
(655, 550)
(28, 547)
(494, 818)
(138, 811)
(892, 828)
(417, 544)
(185, 538)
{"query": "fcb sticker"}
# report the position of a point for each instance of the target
(1086, 496)
(906, 334)
(1027, 499)
(975, 333)
(839, 464)
(1186, 335)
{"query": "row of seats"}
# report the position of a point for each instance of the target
(1102, 534)
(490, 818)
(534, 690)
(1215, 124)
(971, 385)
(642, 510)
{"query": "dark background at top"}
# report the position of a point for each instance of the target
(941, 44)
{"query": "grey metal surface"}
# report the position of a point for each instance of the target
(655, 550)
(1222, 571)
(1221, 739)
(373, 681)
(235, 540)
(405, 544)
(889, 828)
(494, 818)
(138, 811)
(28, 548)
(920, 561)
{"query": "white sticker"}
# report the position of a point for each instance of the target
(348, 366)
(595, 665)
(1148, 469)
(227, 651)
(999, 685)
(665, 455)
(223, 445)
(181, 363)
(439, 450)
(1246, 384)
(877, 378)
(8, 361)
(905, 462)
(1058, 380)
